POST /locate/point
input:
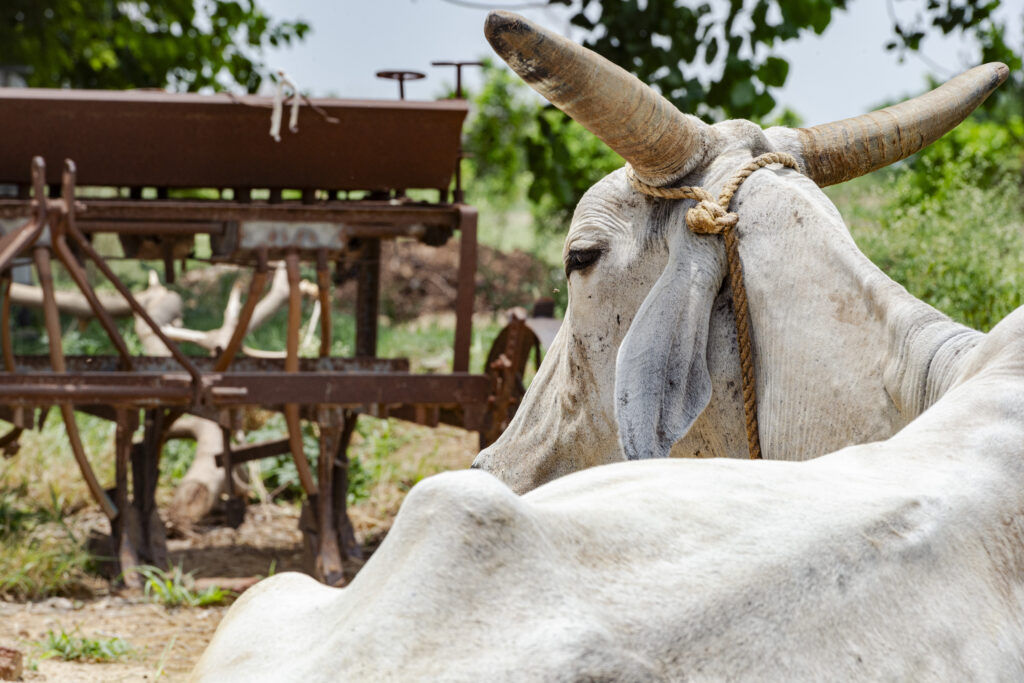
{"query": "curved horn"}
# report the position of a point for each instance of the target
(841, 150)
(661, 143)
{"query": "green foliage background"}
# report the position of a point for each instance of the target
(180, 44)
(713, 59)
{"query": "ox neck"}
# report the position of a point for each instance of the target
(926, 350)
(844, 354)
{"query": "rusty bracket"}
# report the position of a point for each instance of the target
(256, 287)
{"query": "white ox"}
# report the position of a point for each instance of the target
(894, 560)
(842, 354)
(897, 560)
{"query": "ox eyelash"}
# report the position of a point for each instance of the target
(581, 259)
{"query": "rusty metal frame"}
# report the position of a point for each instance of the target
(318, 229)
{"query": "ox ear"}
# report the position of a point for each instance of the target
(662, 383)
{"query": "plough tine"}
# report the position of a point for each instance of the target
(52, 320)
(124, 551)
(291, 364)
(329, 567)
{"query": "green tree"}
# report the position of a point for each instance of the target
(182, 44)
(975, 18)
(711, 58)
(665, 43)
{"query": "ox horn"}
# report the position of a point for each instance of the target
(841, 150)
(660, 142)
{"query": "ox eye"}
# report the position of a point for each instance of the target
(581, 259)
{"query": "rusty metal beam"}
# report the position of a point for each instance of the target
(17, 241)
(176, 352)
(341, 144)
(328, 563)
(367, 298)
(198, 213)
(466, 288)
(256, 451)
(163, 364)
(244, 388)
(76, 271)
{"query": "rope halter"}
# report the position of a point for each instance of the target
(711, 217)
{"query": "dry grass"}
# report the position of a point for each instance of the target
(45, 466)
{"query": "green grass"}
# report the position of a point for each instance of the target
(176, 588)
(961, 252)
(40, 555)
(70, 647)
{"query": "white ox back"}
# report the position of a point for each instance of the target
(901, 559)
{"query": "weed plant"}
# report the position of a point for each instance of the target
(40, 555)
(176, 588)
(949, 225)
(70, 647)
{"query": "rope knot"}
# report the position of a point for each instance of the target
(709, 218)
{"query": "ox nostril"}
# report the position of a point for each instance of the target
(475, 465)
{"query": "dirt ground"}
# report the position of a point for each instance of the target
(166, 643)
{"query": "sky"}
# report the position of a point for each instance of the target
(844, 72)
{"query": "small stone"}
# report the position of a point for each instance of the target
(62, 604)
(11, 665)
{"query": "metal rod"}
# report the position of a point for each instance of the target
(466, 288)
(256, 451)
(346, 532)
(181, 212)
(5, 324)
(367, 298)
(16, 242)
(229, 461)
(291, 364)
(127, 557)
(145, 475)
(259, 281)
(152, 228)
(244, 388)
(52, 320)
(323, 282)
(328, 561)
(63, 252)
(136, 306)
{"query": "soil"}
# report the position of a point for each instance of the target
(166, 642)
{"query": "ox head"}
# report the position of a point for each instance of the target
(623, 246)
